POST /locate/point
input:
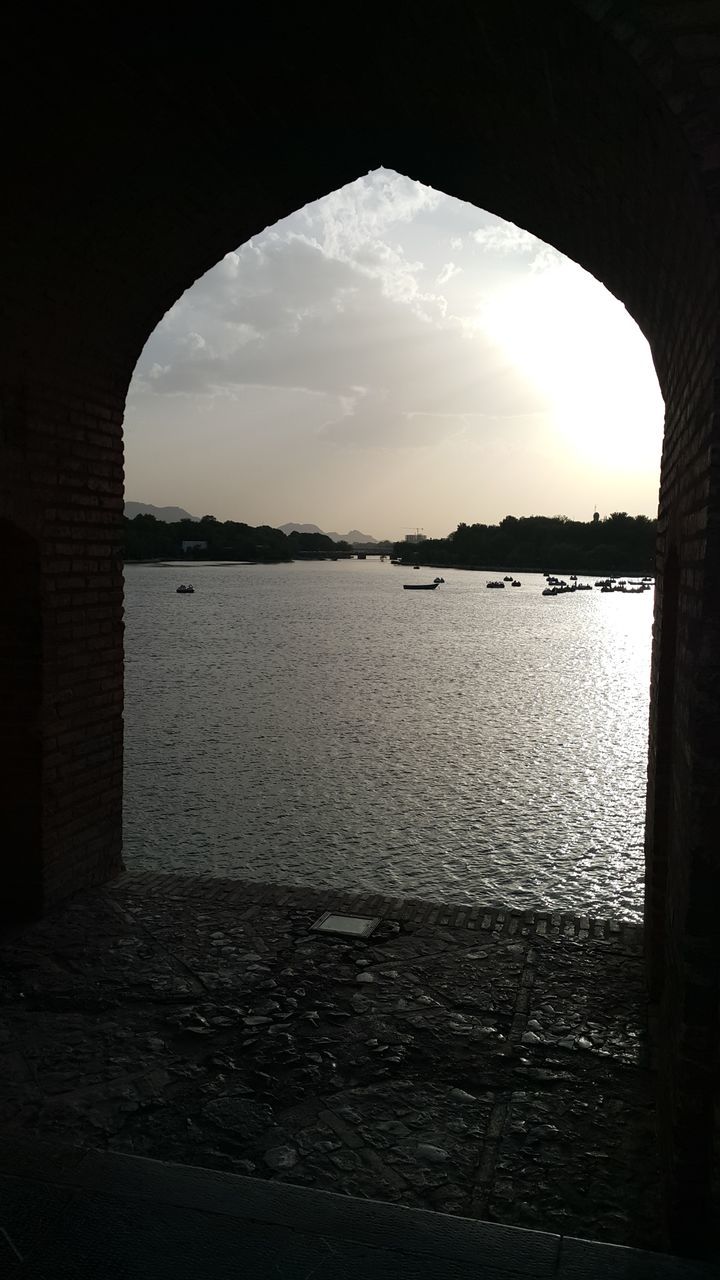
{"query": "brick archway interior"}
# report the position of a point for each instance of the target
(144, 154)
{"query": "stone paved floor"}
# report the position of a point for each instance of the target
(482, 1063)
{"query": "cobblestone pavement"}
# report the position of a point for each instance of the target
(477, 1062)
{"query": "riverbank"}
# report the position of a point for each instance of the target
(485, 1063)
(211, 563)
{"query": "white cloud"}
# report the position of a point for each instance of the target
(447, 273)
(505, 238)
(364, 212)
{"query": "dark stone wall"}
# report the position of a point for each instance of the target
(139, 149)
(20, 731)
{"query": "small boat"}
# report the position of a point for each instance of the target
(496, 585)
(188, 590)
(437, 581)
(516, 583)
(420, 586)
(507, 578)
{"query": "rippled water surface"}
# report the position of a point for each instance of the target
(314, 723)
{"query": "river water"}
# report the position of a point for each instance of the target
(313, 723)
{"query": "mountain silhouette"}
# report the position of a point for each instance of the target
(353, 536)
(169, 514)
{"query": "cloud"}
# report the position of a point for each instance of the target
(281, 311)
(447, 273)
(381, 420)
(365, 212)
(505, 238)
(348, 339)
(195, 341)
(304, 282)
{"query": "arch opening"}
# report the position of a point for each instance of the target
(316, 365)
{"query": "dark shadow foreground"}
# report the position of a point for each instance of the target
(481, 1063)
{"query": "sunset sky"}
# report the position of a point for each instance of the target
(390, 358)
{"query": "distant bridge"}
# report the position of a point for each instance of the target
(361, 553)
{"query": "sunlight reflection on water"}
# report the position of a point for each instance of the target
(314, 723)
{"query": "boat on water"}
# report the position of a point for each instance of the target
(420, 586)
(183, 590)
(497, 585)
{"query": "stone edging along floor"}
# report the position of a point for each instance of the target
(505, 921)
(101, 1212)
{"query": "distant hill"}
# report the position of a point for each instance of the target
(169, 514)
(353, 536)
(299, 528)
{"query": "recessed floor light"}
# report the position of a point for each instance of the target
(354, 926)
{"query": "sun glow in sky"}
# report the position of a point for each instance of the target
(388, 358)
(578, 346)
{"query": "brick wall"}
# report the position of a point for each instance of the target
(20, 711)
(64, 521)
(82, 651)
(139, 154)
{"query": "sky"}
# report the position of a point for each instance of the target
(389, 359)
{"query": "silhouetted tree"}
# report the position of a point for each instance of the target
(619, 543)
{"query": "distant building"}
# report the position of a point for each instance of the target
(415, 537)
(193, 546)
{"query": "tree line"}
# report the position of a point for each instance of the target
(619, 543)
(147, 538)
